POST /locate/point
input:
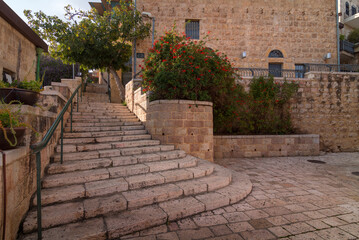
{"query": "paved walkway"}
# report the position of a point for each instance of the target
(291, 199)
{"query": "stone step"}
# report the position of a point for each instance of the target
(109, 120)
(105, 139)
(78, 172)
(104, 134)
(101, 129)
(136, 210)
(183, 178)
(104, 113)
(68, 148)
(103, 124)
(97, 206)
(112, 153)
(151, 159)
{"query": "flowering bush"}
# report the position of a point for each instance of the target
(265, 109)
(180, 68)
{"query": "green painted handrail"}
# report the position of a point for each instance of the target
(36, 148)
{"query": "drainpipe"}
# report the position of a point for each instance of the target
(134, 52)
(38, 52)
(338, 40)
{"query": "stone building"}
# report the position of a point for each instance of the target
(272, 34)
(19, 46)
(349, 21)
(259, 33)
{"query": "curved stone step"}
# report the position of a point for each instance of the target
(74, 173)
(103, 124)
(68, 148)
(92, 140)
(106, 120)
(104, 134)
(156, 210)
(151, 160)
(100, 129)
(110, 186)
(93, 207)
(76, 156)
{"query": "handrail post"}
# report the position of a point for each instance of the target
(62, 140)
(71, 117)
(77, 101)
(38, 192)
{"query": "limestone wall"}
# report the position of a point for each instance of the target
(141, 102)
(327, 104)
(21, 164)
(303, 30)
(186, 124)
(265, 146)
(17, 54)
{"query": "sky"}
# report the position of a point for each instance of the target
(49, 7)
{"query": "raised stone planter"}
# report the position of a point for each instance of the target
(186, 124)
(266, 146)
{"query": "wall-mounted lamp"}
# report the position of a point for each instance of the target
(327, 56)
(244, 54)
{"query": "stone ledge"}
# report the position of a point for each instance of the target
(14, 155)
(266, 136)
(200, 103)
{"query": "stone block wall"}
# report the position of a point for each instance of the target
(21, 164)
(326, 104)
(303, 30)
(265, 146)
(141, 102)
(186, 124)
(17, 54)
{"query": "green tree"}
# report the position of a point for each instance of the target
(353, 36)
(93, 40)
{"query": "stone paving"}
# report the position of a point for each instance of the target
(291, 199)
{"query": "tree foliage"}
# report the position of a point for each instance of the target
(93, 40)
(353, 36)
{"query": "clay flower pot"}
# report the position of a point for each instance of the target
(26, 97)
(4, 144)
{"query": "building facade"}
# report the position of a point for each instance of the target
(349, 21)
(253, 33)
(19, 47)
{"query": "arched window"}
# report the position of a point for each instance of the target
(275, 54)
(347, 8)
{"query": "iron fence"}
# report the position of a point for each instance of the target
(285, 73)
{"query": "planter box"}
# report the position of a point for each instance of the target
(27, 97)
(266, 146)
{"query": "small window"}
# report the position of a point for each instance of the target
(299, 70)
(275, 54)
(275, 69)
(192, 29)
(8, 76)
(347, 8)
(354, 10)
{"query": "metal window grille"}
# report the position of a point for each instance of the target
(192, 29)
(354, 10)
(299, 70)
(275, 54)
(275, 69)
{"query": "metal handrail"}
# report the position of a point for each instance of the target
(36, 148)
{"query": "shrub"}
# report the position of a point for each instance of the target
(353, 36)
(264, 110)
(180, 68)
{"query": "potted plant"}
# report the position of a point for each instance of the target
(26, 92)
(12, 130)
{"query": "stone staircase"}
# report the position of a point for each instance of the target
(116, 180)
